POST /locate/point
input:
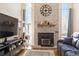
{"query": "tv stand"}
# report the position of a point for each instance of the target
(12, 47)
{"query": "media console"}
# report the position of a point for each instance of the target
(11, 47)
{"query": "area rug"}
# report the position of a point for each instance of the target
(37, 53)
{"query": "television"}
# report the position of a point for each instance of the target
(8, 26)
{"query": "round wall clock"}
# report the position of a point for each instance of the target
(46, 10)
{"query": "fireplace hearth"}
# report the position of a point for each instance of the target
(46, 39)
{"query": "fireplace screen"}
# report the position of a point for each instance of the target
(45, 42)
(46, 39)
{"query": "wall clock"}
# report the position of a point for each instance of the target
(46, 10)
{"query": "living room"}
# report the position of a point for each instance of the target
(39, 29)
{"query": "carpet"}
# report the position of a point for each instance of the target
(38, 53)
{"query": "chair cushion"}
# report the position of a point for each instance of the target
(72, 53)
(68, 40)
(77, 44)
(66, 47)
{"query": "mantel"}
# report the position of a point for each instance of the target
(46, 24)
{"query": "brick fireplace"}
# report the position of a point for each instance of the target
(46, 39)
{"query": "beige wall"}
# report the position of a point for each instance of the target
(76, 17)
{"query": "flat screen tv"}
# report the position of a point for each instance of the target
(8, 26)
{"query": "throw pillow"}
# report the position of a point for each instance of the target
(77, 44)
(74, 41)
(75, 35)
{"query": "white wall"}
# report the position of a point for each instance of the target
(76, 17)
(14, 10)
(11, 9)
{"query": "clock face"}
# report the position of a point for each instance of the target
(45, 10)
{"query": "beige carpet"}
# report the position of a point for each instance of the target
(43, 52)
(39, 53)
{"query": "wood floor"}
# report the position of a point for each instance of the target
(53, 52)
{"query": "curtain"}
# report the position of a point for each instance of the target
(70, 23)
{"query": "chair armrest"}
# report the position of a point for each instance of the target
(59, 41)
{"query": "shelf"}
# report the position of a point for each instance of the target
(15, 51)
(9, 49)
(46, 25)
(8, 23)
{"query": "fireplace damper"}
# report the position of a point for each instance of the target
(46, 39)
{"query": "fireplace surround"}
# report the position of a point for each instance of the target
(46, 39)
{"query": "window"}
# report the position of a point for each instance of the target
(65, 18)
(28, 21)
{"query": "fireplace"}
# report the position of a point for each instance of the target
(46, 39)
